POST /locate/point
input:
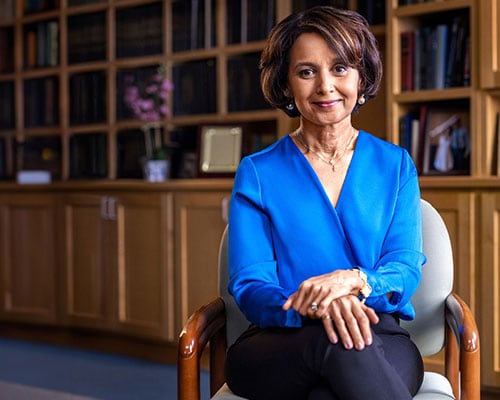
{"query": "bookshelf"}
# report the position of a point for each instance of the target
(64, 64)
(432, 80)
(467, 198)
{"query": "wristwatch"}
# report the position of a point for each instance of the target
(366, 289)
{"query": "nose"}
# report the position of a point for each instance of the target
(326, 83)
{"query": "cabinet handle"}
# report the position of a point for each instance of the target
(108, 208)
(111, 208)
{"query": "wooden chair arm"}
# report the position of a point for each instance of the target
(462, 362)
(206, 325)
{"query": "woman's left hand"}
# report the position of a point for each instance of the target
(349, 320)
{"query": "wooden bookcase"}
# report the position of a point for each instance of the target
(64, 63)
(467, 199)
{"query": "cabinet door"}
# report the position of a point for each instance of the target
(490, 289)
(200, 222)
(28, 257)
(143, 262)
(489, 52)
(457, 208)
(87, 287)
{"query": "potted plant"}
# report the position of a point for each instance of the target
(148, 103)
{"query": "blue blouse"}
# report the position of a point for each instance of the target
(283, 228)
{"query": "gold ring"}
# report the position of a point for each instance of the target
(326, 316)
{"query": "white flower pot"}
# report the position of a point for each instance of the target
(156, 170)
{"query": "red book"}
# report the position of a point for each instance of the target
(407, 60)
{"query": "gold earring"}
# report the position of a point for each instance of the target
(361, 100)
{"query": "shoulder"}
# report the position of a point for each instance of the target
(384, 150)
(271, 156)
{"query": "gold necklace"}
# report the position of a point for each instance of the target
(336, 156)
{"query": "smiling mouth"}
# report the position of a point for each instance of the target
(326, 104)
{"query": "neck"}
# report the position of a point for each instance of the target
(331, 145)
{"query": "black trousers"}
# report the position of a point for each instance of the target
(302, 364)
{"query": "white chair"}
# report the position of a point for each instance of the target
(443, 320)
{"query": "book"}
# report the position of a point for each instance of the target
(407, 60)
(191, 78)
(243, 78)
(88, 155)
(372, 10)
(441, 56)
(7, 105)
(193, 25)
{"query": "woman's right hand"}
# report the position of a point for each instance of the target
(322, 290)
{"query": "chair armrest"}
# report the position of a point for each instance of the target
(206, 325)
(462, 362)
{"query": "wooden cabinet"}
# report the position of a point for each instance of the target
(86, 274)
(458, 210)
(118, 262)
(28, 257)
(125, 261)
(200, 219)
(490, 288)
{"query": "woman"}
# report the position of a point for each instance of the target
(325, 229)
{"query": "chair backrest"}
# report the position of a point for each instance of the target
(427, 330)
(236, 322)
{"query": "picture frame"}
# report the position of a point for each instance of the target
(220, 149)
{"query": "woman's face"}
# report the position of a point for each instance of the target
(325, 90)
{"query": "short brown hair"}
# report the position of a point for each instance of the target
(347, 33)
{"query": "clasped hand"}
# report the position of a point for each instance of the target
(343, 315)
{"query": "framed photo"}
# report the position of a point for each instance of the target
(220, 149)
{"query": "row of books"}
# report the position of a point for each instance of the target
(6, 50)
(436, 57)
(42, 44)
(6, 9)
(41, 102)
(193, 25)
(372, 10)
(33, 6)
(139, 31)
(7, 111)
(300, 5)
(249, 20)
(88, 156)
(88, 98)
(244, 92)
(87, 37)
(437, 139)
(190, 79)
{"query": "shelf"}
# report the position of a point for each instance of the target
(432, 7)
(433, 95)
